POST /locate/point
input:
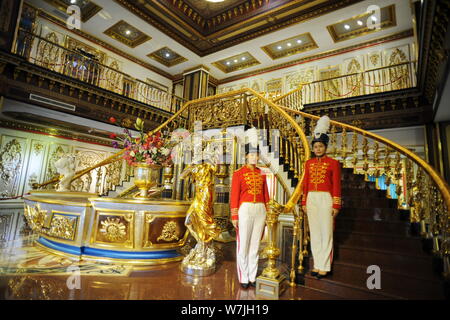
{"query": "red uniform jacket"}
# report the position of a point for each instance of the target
(323, 174)
(247, 185)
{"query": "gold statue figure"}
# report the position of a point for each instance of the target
(199, 217)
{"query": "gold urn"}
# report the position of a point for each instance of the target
(146, 176)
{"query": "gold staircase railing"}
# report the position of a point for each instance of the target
(237, 108)
(240, 107)
(418, 186)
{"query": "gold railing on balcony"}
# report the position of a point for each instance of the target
(388, 78)
(85, 67)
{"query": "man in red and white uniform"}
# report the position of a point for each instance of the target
(248, 202)
(321, 200)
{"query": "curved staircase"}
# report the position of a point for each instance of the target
(370, 230)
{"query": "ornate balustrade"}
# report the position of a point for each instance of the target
(83, 66)
(418, 186)
(384, 79)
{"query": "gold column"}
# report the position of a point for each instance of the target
(196, 83)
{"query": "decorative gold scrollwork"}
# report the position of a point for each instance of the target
(169, 232)
(63, 227)
(113, 229)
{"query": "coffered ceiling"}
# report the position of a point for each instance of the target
(171, 36)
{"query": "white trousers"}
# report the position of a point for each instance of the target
(252, 219)
(319, 208)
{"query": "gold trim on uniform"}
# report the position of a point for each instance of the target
(254, 182)
(336, 200)
(317, 171)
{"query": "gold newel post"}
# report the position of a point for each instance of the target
(271, 283)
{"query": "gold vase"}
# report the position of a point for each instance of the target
(145, 177)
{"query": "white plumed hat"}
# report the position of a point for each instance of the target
(320, 132)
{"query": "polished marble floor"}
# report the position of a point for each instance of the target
(27, 272)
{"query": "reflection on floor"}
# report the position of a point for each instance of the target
(28, 272)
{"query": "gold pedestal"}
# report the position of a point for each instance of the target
(201, 260)
(271, 283)
(269, 288)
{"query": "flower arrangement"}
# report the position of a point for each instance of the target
(152, 149)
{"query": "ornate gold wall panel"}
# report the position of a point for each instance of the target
(28, 157)
(164, 230)
(12, 161)
(113, 228)
(63, 225)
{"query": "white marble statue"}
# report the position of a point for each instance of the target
(65, 167)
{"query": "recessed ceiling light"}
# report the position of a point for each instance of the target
(299, 41)
(228, 63)
(73, 1)
(346, 27)
(279, 47)
(235, 60)
(374, 18)
(167, 55)
(359, 22)
(243, 58)
(128, 32)
(289, 44)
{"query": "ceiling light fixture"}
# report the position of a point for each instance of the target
(128, 32)
(235, 60)
(359, 22)
(243, 58)
(215, 1)
(374, 18)
(167, 55)
(73, 1)
(228, 63)
(299, 41)
(346, 27)
(279, 47)
(289, 44)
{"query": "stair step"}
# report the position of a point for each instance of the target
(348, 192)
(420, 265)
(399, 228)
(379, 241)
(367, 202)
(394, 283)
(375, 214)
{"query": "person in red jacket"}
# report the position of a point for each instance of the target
(321, 199)
(248, 203)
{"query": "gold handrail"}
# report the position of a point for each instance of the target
(437, 178)
(297, 192)
(299, 89)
